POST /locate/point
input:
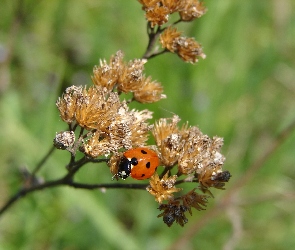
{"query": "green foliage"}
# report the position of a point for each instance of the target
(243, 91)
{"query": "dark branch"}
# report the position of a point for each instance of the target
(66, 181)
(153, 37)
(108, 185)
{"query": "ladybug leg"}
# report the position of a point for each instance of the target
(115, 176)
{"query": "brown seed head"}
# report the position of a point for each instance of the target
(150, 91)
(192, 9)
(173, 211)
(64, 139)
(107, 75)
(186, 48)
(164, 188)
(68, 103)
(168, 140)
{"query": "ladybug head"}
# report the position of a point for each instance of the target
(124, 168)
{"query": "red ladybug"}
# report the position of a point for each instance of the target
(140, 163)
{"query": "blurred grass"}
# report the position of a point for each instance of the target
(244, 91)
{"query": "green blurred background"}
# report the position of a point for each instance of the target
(244, 91)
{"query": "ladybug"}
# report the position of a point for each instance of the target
(140, 163)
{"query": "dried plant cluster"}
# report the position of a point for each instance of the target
(99, 110)
(158, 12)
(108, 127)
(111, 128)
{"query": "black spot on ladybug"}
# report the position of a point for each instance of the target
(142, 175)
(143, 152)
(134, 161)
(148, 165)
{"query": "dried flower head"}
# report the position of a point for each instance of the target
(106, 75)
(175, 209)
(68, 103)
(157, 12)
(97, 145)
(113, 163)
(114, 125)
(131, 77)
(168, 140)
(139, 128)
(97, 108)
(202, 155)
(213, 177)
(186, 48)
(64, 139)
(195, 200)
(192, 9)
(194, 152)
(150, 91)
(126, 129)
(127, 77)
(164, 188)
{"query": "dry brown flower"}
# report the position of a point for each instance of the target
(114, 125)
(127, 77)
(213, 177)
(96, 146)
(150, 91)
(195, 200)
(126, 129)
(67, 104)
(186, 48)
(113, 163)
(158, 15)
(210, 165)
(169, 38)
(189, 50)
(194, 152)
(164, 188)
(64, 139)
(191, 10)
(131, 77)
(107, 75)
(157, 12)
(202, 155)
(97, 109)
(139, 128)
(168, 140)
(173, 211)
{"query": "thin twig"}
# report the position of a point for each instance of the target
(42, 161)
(67, 182)
(153, 37)
(108, 185)
(157, 54)
(24, 191)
